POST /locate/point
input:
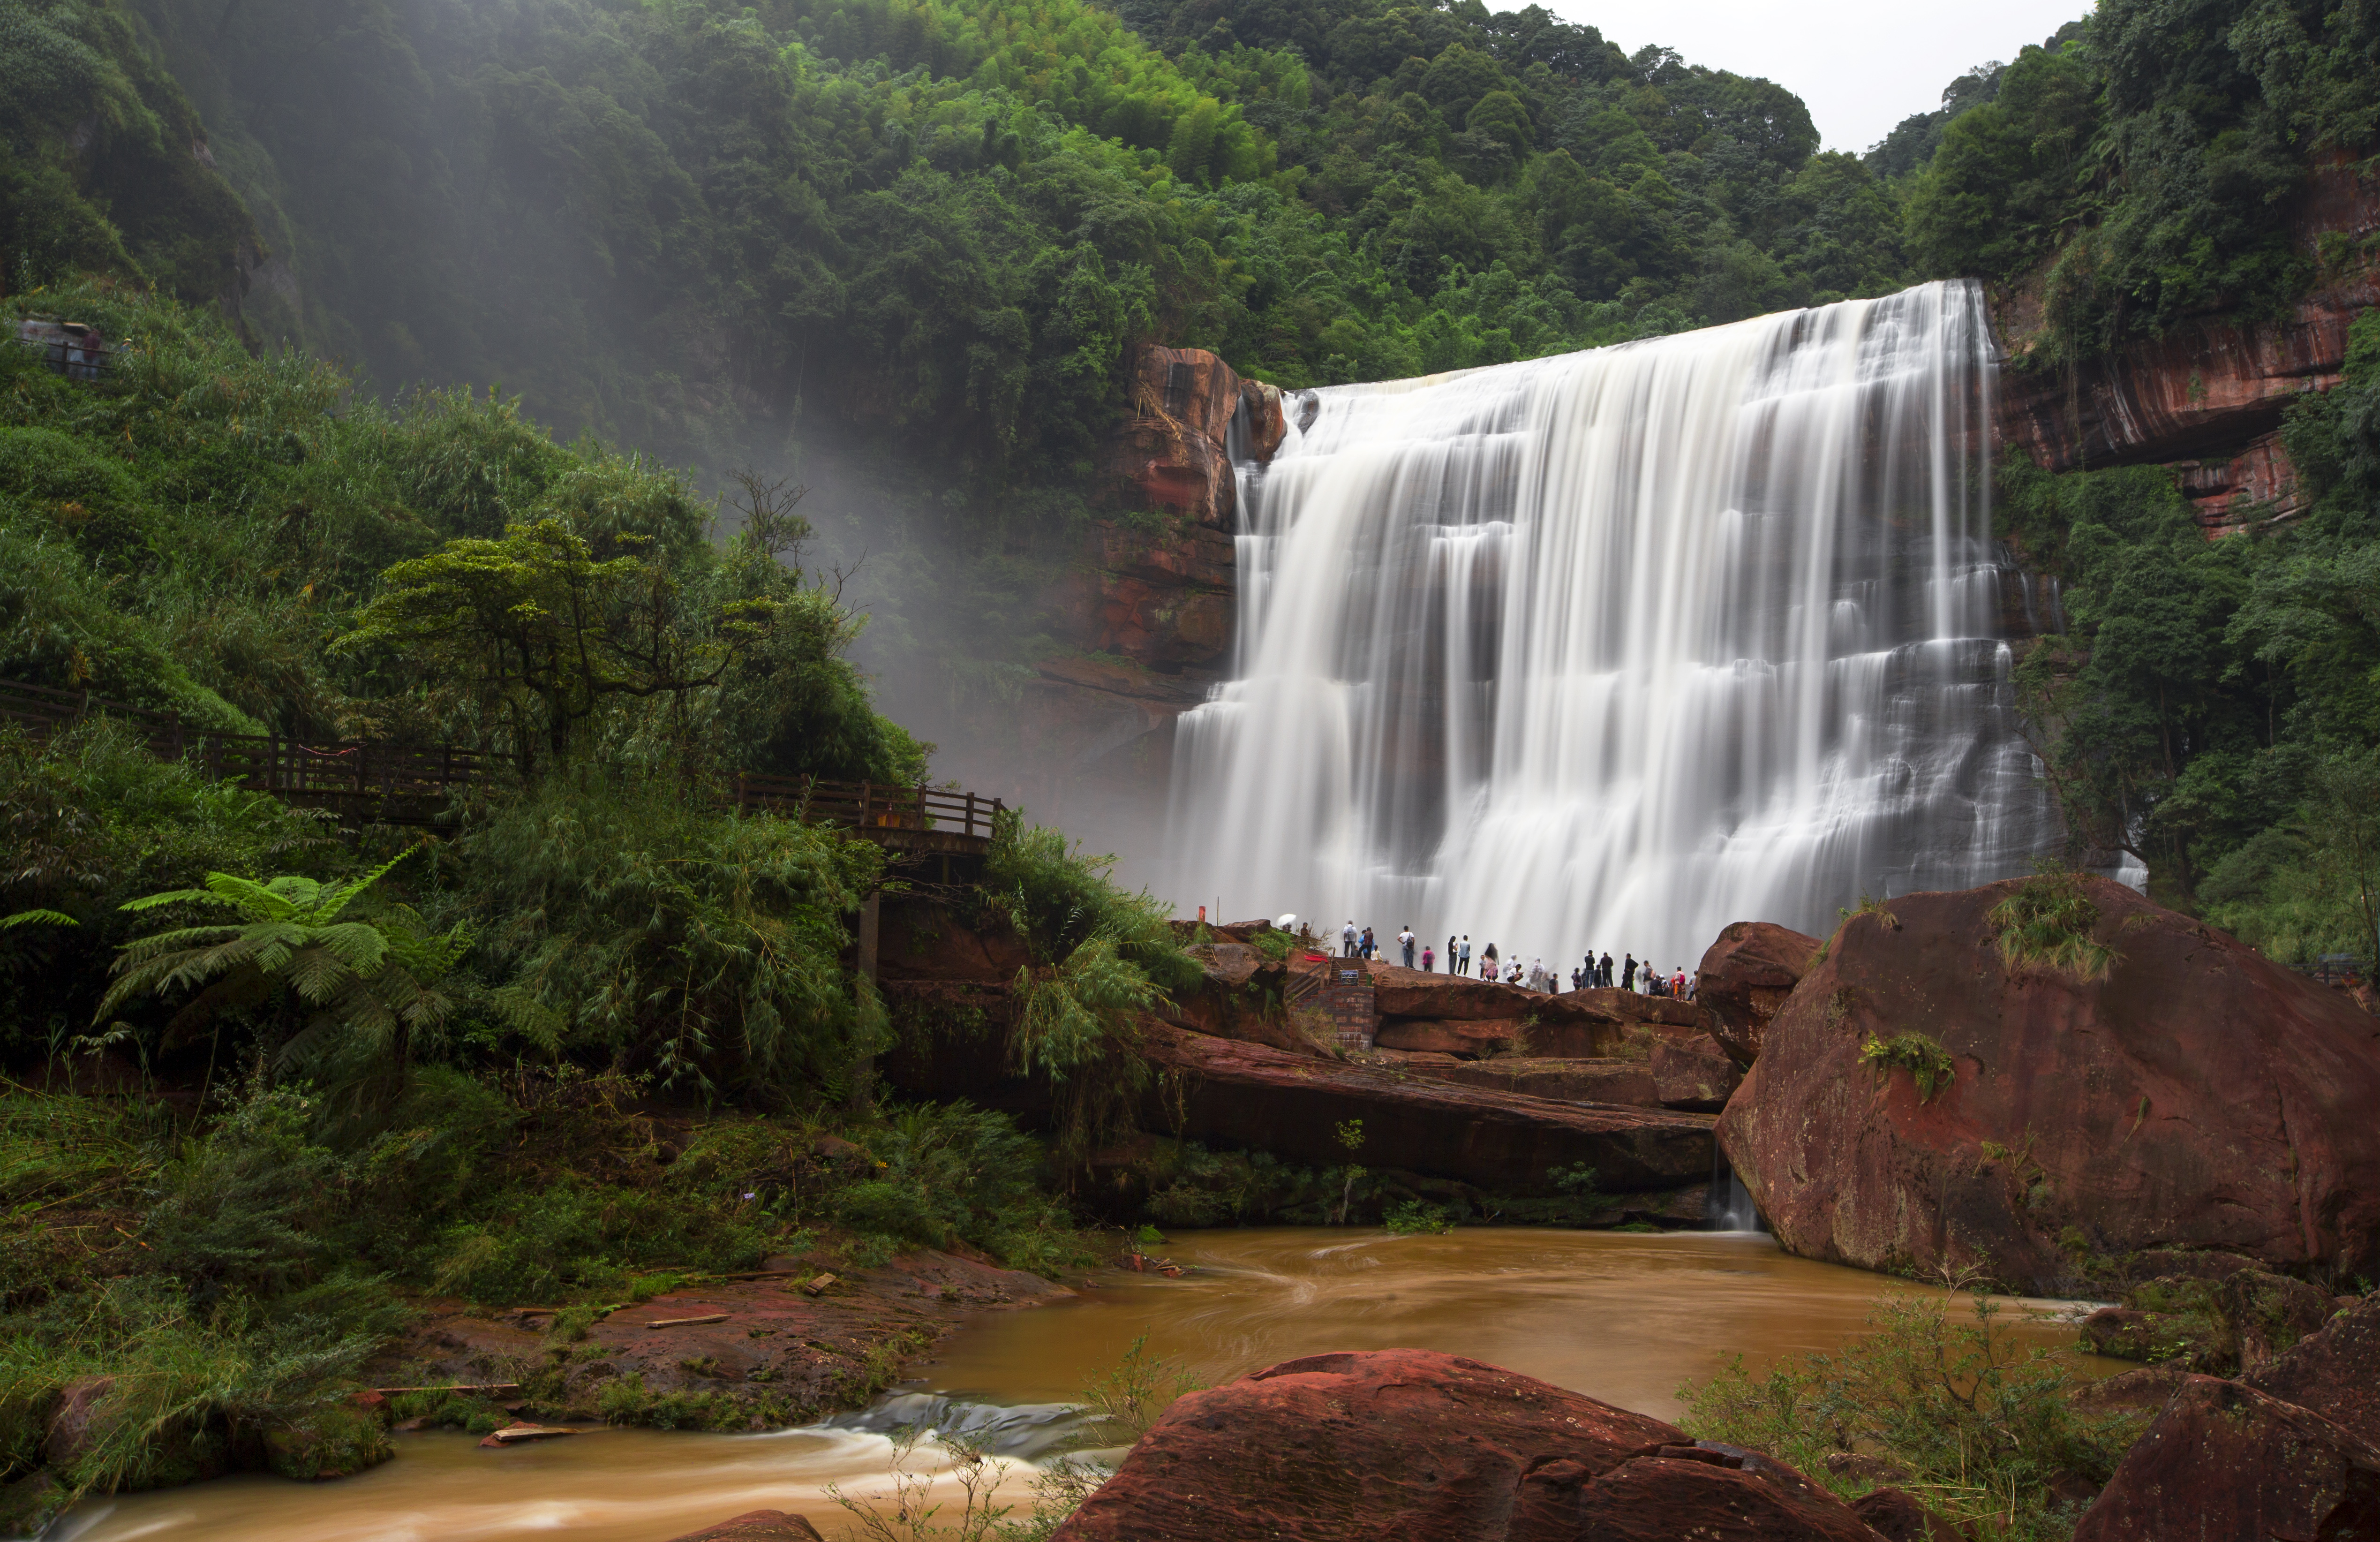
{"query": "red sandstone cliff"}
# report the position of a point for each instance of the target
(1144, 612)
(2206, 399)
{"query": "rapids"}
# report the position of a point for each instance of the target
(1619, 646)
(1622, 1318)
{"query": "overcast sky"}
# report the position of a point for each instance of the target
(1861, 64)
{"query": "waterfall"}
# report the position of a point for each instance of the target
(1616, 648)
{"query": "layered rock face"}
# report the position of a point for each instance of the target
(1248, 1096)
(1452, 1014)
(2196, 1097)
(2207, 397)
(1412, 1444)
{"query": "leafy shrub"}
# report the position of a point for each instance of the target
(1982, 1428)
(1413, 1218)
(1119, 1406)
(950, 1171)
(634, 920)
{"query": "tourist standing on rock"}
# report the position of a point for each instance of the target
(1405, 940)
(1462, 959)
(1605, 981)
(1450, 953)
(1678, 982)
(1487, 963)
(1628, 974)
(1428, 960)
(1347, 940)
(1364, 948)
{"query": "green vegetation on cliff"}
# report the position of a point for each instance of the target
(2213, 709)
(2142, 172)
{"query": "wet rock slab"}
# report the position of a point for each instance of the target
(762, 1342)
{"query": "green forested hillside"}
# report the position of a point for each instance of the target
(903, 248)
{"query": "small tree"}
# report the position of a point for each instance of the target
(546, 631)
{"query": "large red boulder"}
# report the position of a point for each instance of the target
(757, 1525)
(2193, 1095)
(1418, 1446)
(2335, 1372)
(1745, 978)
(2224, 1463)
(1227, 1092)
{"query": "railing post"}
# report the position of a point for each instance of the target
(970, 815)
(864, 791)
(921, 804)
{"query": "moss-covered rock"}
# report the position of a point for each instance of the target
(337, 1441)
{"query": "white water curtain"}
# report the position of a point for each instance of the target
(1616, 648)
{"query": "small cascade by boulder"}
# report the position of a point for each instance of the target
(1414, 1444)
(2137, 1081)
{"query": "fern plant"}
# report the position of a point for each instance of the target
(1928, 1064)
(361, 979)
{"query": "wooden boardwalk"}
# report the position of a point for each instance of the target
(372, 781)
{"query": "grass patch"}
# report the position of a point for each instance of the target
(2044, 924)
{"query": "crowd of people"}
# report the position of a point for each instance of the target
(1593, 972)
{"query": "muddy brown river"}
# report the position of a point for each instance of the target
(1621, 1318)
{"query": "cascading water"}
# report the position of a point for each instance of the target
(1616, 648)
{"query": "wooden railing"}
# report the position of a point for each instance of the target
(413, 784)
(867, 805)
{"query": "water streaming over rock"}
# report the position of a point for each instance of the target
(1619, 646)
